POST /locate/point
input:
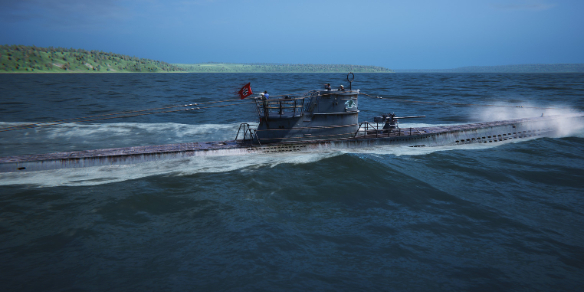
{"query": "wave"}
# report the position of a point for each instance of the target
(564, 126)
(87, 129)
(75, 137)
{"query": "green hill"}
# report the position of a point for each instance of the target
(213, 67)
(31, 59)
(27, 59)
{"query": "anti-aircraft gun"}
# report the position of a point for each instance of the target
(391, 121)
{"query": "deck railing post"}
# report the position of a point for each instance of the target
(265, 106)
(280, 103)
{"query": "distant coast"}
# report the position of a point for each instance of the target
(525, 68)
(214, 67)
(32, 59)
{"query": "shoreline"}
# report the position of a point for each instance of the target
(180, 72)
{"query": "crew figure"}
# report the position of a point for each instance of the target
(264, 97)
(327, 87)
(341, 88)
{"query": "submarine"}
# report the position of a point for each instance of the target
(320, 120)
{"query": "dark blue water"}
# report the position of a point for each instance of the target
(474, 218)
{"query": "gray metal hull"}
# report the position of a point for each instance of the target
(490, 132)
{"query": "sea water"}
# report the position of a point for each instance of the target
(390, 218)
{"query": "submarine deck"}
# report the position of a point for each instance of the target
(396, 134)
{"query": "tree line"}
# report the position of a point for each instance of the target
(213, 67)
(19, 58)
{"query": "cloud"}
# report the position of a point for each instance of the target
(523, 6)
(63, 13)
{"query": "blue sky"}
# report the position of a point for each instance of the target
(414, 34)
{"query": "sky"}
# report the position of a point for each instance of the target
(412, 34)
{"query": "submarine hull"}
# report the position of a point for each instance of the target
(489, 132)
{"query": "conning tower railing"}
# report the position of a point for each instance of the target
(284, 107)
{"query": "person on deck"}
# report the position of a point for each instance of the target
(266, 95)
(327, 87)
(341, 88)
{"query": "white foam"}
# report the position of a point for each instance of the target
(403, 150)
(563, 123)
(81, 129)
(139, 131)
(204, 164)
(177, 167)
(75, 136)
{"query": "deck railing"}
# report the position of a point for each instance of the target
(368, 128)
(249, 134)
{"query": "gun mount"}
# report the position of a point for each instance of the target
(391, 121)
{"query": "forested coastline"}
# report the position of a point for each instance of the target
(215, 67)
(32, 59)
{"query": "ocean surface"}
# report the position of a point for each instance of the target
(505, 217)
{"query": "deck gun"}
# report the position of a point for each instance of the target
(391, 121)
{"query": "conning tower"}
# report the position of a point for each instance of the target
(319, 115)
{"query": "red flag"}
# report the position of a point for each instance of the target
(245, 91)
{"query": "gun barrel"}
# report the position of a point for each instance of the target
(409, 117)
